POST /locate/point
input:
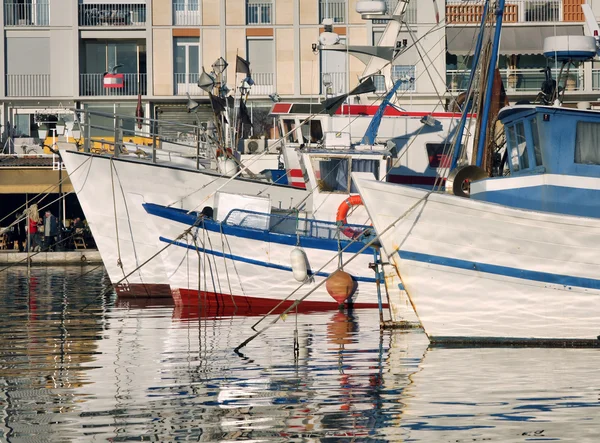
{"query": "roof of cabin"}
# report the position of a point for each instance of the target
(513, 111)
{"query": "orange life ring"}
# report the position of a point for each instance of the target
(341, 217)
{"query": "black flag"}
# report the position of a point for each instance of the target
(244, 117)
(332, 104)
(242, 66)
(218, 104)
(364, 88)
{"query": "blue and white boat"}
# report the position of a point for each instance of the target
(518, 261)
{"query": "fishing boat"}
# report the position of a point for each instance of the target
(516, 262)
(254, 255)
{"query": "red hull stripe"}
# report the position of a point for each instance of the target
(285, 108)
(295, 173)
(299, 185)
(241, 305)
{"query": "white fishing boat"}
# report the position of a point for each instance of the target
(520, 267)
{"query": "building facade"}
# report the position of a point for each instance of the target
(102, 54)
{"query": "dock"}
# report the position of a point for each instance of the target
(78, 257)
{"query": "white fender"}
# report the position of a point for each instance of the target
(299, 264)
(227, 167)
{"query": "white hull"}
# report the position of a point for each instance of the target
(213, 268)
(479, 271)
(112, 203)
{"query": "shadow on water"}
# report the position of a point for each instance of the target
(78, 365)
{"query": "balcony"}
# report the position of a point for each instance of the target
(264, 83)
(333, 10)
(259, 13)
(26, 14)
(109, 14)
(517, 80)
(515, 11)
(93, 85)
(27, 85)
(186, 13)
(187, 83)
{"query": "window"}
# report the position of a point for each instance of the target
(405, 73)
(261, 55)
(439, 155)
(537, 148)
(512, 148)
(186, 12)
(259, 12)
(288, 128)
(587, 143)
(331, 173)
(522, 145)
(364, 166)
(333, 9)
(187, 59)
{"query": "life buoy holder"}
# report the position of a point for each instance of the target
(342, 216)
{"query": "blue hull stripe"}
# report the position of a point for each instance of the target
(556, 279)
(181, 216)
(255, 262)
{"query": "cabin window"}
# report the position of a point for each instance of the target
(513, 151)
(522, 145)
(312, 132)
(371, 166)
(537, 148)
(438, 155)
(288, 128)
(332, 174)
(587, 143)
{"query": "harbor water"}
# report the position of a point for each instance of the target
(78, 365)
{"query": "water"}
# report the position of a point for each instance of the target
(78, 365)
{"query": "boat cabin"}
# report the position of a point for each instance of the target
(553, 157)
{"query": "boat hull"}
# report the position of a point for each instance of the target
(477, 271)
(249, 270)
(111, 191)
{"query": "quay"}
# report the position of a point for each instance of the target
(78, 257)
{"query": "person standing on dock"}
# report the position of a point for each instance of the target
(32, 229)
(50, 230)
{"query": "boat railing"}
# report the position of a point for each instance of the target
(148, 138)
(288, 224)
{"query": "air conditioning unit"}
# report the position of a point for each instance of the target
(254, 146)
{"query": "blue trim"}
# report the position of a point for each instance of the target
(254, 262)
(191, 219)
(556, 279)
(570, 55)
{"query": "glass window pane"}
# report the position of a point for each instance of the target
(522, 145)
(194, 55)
(180, 60)
(587, 143)
(512, 148)
(22, 125)
(332, 174)
(111, 55)
(192, 5)
(537, 149)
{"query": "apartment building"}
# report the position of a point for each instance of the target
(56, 53)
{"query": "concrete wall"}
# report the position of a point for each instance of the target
(309, 62)
(162, 12)
(284, 56)
(163, 62)
(63, 13)
(284, 12)
(309, 12)
(64, 64)
(235, 12)
(236, 45)
(210, 12)
(210, 51)
(356, 36)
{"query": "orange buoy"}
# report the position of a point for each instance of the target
(340, 286)
(342, 216)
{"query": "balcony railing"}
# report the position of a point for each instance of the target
(186, 13)
(27, 85)
(515, 11)
(27, 14)
(410, 14)
(259, 13)
(596, 79)
(333, 83)
(517, 80)
(186, 83)
(112, 14)
(264, 83)
(334, 10)
(93, 85)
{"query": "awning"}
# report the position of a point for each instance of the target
(514, 40)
